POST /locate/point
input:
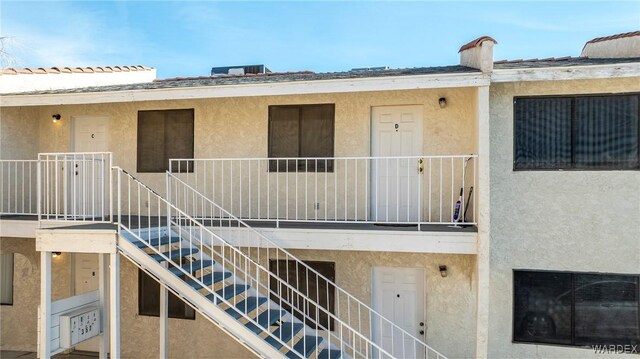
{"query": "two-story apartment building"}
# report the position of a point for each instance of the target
(485, 209)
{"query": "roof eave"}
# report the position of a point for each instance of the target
(559, 73)
(391, 83)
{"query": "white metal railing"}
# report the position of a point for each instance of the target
(74, 186)
(18, 180)
(248, 267)
(412, 189)
(380, 333)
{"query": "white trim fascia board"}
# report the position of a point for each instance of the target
(362, 240)
(262, 89)
(18, 228)
(76, 240)
(631, 69)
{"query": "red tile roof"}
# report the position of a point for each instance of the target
(234, 76)
(477, 42)
(68, 70)
(614, 37)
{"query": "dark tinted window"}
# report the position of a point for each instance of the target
(577, 132)
(163, 135)
(6, 278)
(543, 133)
(542, 307)
(149, 300)
(301, 131)
(309, 284)
(606, 309)
(576, 308)
(607, 132)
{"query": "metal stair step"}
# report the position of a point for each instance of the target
(246, 306)
(306, 346)
(192, 266)
(285, 332)
(175, 254)
(231, 291)
(208, 279)
(265, 319)
(155, 241)
(330, 354)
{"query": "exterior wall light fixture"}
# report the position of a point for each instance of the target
(56, 118)
(442, 102)
(443, 271)
(56, 254)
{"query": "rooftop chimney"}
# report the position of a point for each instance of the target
(478, 54)
(614, 46)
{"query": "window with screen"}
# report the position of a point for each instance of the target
(301, 131)
(577, 132)
(6, 279)
(149, 300)
(164, 135)
(309, 284)
(579, 309)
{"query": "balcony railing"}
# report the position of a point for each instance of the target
(391, 190)
(74, 186)
(18, 181)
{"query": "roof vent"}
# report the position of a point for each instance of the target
(239, 70)
(363, 69)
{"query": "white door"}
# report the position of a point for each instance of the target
(86, 280)
(396, 131)
(398, 294)
(89, 172)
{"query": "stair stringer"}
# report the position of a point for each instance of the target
(201, 304)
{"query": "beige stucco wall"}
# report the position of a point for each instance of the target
(237, 127)
(19, 133)
(18, 322)
(554, 220)
(449, 308)
(450, 301)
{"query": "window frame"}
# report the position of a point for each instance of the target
(286, 166)
(331, 303)
(572, 166)
(573, 299)
(13, 273)
(141, 276)
(189, 164)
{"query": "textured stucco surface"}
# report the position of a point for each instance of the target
(554, 220)
(18, 322)
(19, 133)
(450, 301)
(237, 127)
(449, 307)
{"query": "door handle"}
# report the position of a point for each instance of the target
(422, 332)
(420, 165)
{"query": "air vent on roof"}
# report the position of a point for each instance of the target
(239, 70)
(363, 69)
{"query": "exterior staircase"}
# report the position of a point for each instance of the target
(225, 284)
(226, 270)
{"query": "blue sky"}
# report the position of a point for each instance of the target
(188, 38)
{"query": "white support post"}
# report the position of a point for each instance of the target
(102, 287)
(45, 305)
(484, 223)
(114, 305)
(164, 321)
